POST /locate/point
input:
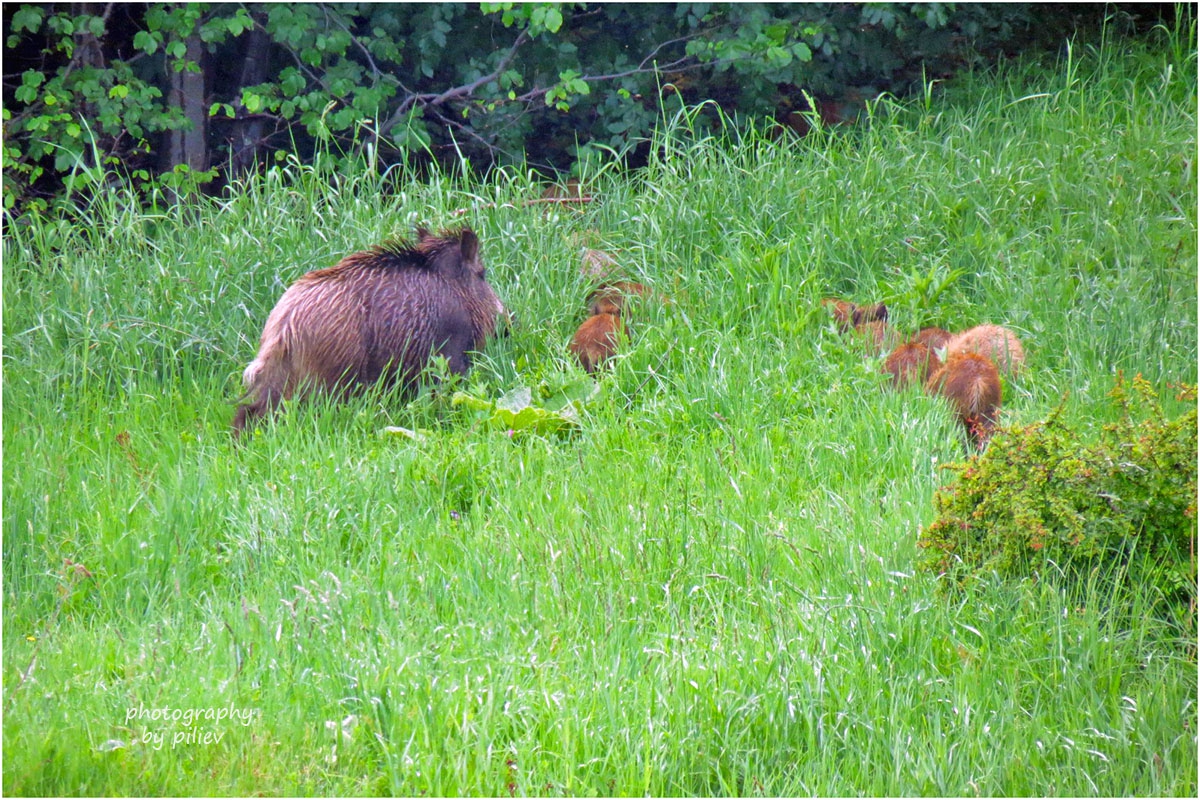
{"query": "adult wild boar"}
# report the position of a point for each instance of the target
(378, 314)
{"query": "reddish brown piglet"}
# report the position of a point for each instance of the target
(850, 316)
(613, 298)
(996, 342)
(597, 264)
(910, 363)
(877, 337)
(596, 340)
(862, 315)
(843, 312)
(971, 383)
(933, 338)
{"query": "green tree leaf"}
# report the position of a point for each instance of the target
(28, 18)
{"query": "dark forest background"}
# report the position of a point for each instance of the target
(186, 96)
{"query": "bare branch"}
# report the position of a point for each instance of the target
(429, 100)
(366, 53)
(465, 90)
(678, 65)
(450, 123)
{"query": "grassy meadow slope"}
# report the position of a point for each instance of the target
(709, 587)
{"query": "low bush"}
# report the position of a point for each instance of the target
(1043, 496)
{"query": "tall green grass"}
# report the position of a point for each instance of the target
(709, 588)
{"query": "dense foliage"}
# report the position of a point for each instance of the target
(175, 95)
(1048, 499)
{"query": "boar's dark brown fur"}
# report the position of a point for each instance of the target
(377, 314)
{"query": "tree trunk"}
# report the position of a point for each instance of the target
(88, 50)
(189, 145)
(248, 134)
(89, 54)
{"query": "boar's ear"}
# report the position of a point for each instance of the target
(469, 246)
